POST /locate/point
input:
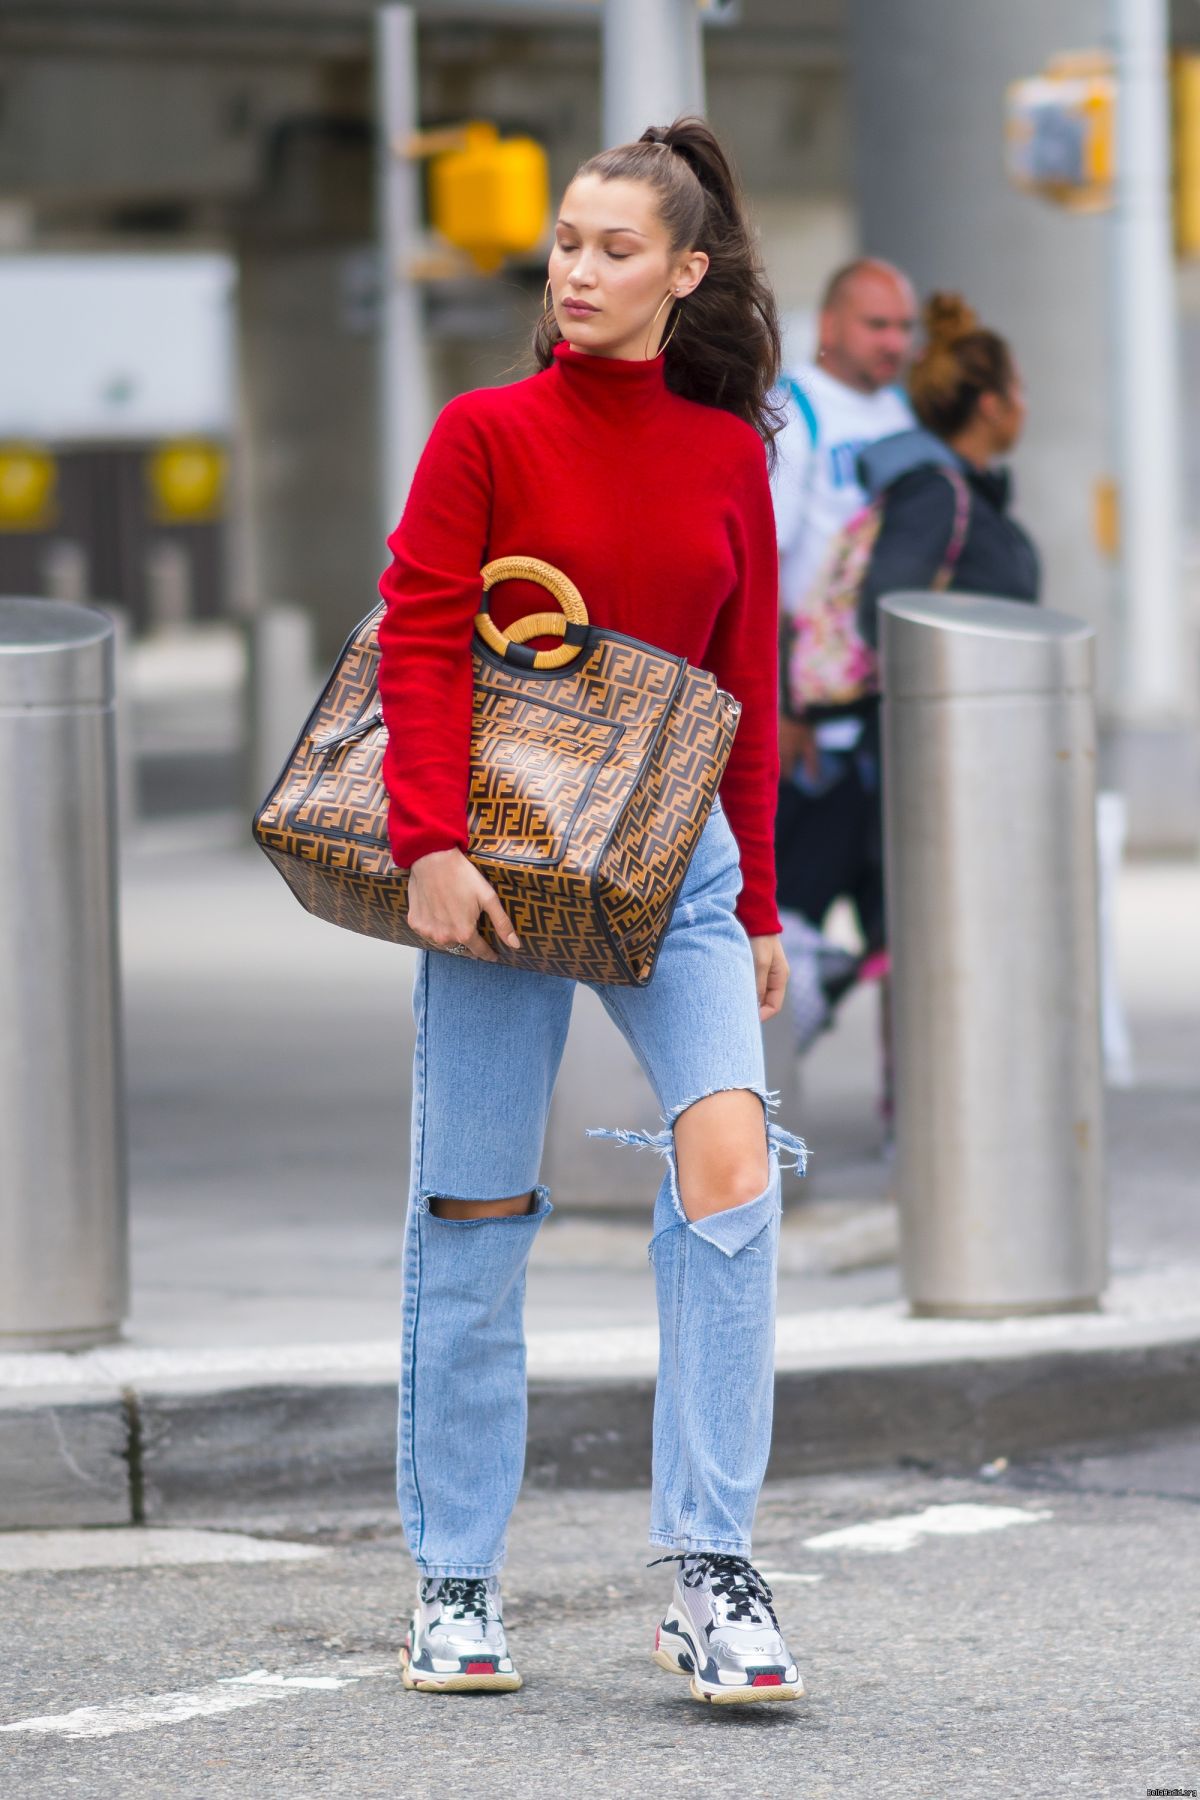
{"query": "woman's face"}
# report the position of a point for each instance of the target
(1007, 416)
(614, 279)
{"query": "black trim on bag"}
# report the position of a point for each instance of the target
(592, 636)
(596, 635)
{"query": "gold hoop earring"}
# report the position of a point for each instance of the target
(663, 302)
(546, 306)
(674, 328)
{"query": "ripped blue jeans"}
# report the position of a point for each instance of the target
(489, 1043)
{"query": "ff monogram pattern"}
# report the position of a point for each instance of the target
(590, 786)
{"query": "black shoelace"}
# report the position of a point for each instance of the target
(733, 1578)
(467, 1597)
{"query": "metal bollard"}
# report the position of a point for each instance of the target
(990, 808)
(63, 1225)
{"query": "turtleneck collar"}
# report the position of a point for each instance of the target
(624, 378)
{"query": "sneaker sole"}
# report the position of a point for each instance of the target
(456, 1684)
(668, 1663)
(747, 1696)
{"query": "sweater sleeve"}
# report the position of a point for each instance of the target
(743, 655)
(918, 519)
(431, 594)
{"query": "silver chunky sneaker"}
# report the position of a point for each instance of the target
(456, 1642)
(721, 1630)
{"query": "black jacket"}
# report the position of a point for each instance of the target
(998, 558)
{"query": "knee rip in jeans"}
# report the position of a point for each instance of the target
(538, 1207)
(736, 1227)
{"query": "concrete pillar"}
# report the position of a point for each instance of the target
(928, 96)
(653, 65)
(1154, 754)
(308, 479)
(928, 101)
(1147, 361)
(405, 406)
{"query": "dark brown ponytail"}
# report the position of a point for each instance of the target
(725, 344)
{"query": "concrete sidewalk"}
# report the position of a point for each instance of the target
(269, 1094)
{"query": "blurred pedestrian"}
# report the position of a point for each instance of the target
(847, 398)
(634, 461)
(838, 405)
(969, 400)
(937, 518)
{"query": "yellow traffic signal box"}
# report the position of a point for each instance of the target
(491, 196)
(1061, 132)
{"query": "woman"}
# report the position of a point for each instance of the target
(944, 523)
(966, 392)
(634, 461)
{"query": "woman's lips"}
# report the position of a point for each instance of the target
(579, 306)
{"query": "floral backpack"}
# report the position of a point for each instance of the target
(828, 661)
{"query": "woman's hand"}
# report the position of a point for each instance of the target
(770, 974)
(446, 896)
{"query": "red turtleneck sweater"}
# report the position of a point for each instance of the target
(658, 509)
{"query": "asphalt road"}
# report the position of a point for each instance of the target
(1047, 1646)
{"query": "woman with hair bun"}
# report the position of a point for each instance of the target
(943, 523)
(634, 460)
(946, 521)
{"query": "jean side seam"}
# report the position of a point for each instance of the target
(418, 1185)
(688, 1503)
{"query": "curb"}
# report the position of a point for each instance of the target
(185, 1451)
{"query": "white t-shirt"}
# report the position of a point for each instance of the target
(815, 485)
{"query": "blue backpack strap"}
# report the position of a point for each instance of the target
(804, 407)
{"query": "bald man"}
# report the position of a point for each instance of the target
(828, 841)
(848, 398)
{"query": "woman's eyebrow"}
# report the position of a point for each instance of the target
(605, 230)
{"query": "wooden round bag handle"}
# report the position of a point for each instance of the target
(571, 624)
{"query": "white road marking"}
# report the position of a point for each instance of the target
(882, 1536)
(140, 1547)
(264, 1678)
(773, 1577)
(144, 1711)
(141, 1714)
